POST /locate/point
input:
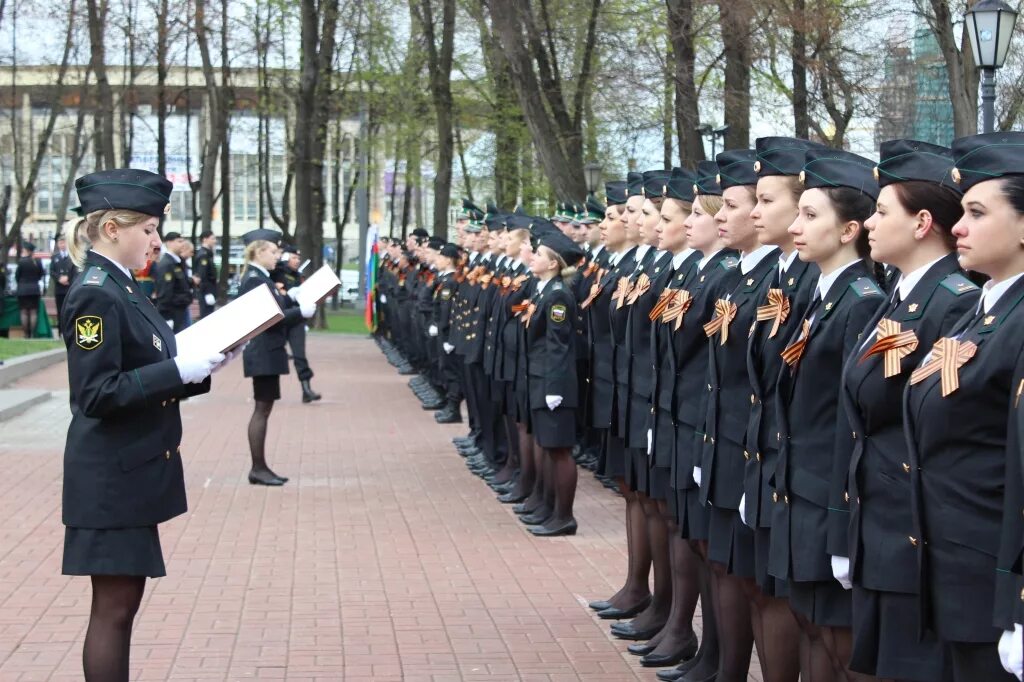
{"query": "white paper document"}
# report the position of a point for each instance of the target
(318, 286)
(232, 325)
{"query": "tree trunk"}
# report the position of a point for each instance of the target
(963, 76)
(162, 67)
(798, 57)
(735, 22)
(105, 157)
(680, 26)
(79, 145)
(215, 127)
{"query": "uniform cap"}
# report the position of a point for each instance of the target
(654, 183)
(825, 168)
(680, 185)
(736, 167)
(983, 157)
(616, 192)
(261, 235)
(781, 155)
(707, 179)
(127, 189)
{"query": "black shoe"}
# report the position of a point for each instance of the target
(600, 605)
(521, 508)
(511, 497)
(633, 634)
(433, 406)
(537, 518)
(308, 394)
(503, 487)
(613, 613)
(449, 415)
(673, 675)
(567, 528)
(643, 650)
(406, 369)
(685, 653)
(264, 478)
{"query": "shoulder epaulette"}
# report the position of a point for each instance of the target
(94, 277)
(865, 286)
(958, 284)
(729, 262)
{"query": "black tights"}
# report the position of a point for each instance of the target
(28, 321)
(561, 478)
(115, 601)
(258, 435)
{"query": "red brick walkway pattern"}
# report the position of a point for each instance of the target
(383, 559)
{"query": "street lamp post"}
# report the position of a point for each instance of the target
(713, 134)
(989, 25)
(592, 176)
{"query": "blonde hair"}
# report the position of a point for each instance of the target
(711, 203)
(686, 206)
(564, 271)
(250, 253)
(89, 230)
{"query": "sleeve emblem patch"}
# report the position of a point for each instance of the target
(446, 294)
(558, 313)
(89, 332)
(168, 276)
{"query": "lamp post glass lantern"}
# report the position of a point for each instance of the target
(989, 25)
(592, 176)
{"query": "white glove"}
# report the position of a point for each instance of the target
(743, 503)
(553, 401)
(448, 348)
(383, 298)
(841, 571)
(308, 310)
(228, 357)
(193, 369)
(1010, 653)
(650, 441)
(696, 475)
(432, 330)
(293, 293)
(210, 299)
(170, 323)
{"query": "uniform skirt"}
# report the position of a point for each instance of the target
(770, 586)
(613, 457)
(823, 602)
(554, 428)
(30, 302)
(114, 551)
(730, 542)
(885, 638)
(266, 388)
(637, 478)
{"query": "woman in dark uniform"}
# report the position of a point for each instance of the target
(780, 309)
(684, 322)
(551, 365)
(955, 416)
(265, 358)
(28, 276)
(809, 526)
(122, 463)
(912, 230)
(730, 541)
(1009, 614)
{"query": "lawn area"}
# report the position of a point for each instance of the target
(345, 321)
(12, 348)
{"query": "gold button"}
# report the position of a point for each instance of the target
(775, 497)
(746, 455)
(758, 457)
(163, 403)
(854, 435)
(712, 440)
(167, 454)
(913, 541)
(846, 496)
(786, 498)
(705, 438)
(752, 399)
(1022, 595)
(906, 467)
(778, 436)
(709, 387)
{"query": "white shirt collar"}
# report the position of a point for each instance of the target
(750, 261)
(909, 280)
(260, 268)
(785, 262)
(991, 293)
(825, 282)
(705, 259)
(117, 265)
(516, 263)
(173, 255)
(473, 254)
(678, 259)
(641, 251)
(445, 272)
(597, 249)
(542, 283)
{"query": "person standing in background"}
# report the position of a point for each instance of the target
(286, 275)
(173, 288)
(62, 272)
(27, 276)
(204, 270)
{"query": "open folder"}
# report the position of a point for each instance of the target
(318, 286)
(229, 327)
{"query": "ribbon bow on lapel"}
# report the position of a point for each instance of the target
(794, 351)
(643, 283)
(895, 343)
(725, 312)
(520, 307)
(663, 300)
(622, 290)
(948, 356)
(777, 310)
(677, 307)
(528, 315)
(595, 291)
(591, 269)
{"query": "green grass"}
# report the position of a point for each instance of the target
(345, 321)
(12, 348)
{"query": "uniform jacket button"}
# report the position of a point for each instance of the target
(785, 498)
(746, 455)
(846, 496)
(167, 455)
(913, 540)
(775, 497)
(906, 467)
(163, 403)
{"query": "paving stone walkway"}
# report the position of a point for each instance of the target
(383, 559)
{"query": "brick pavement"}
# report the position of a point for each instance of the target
(383, 559)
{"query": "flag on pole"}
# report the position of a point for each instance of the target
(372, 255)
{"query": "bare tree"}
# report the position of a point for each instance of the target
(105, 157)
(684, 56)
(963, 75)
(736, 19)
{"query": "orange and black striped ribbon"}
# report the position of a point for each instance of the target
(895, 343)
(528, 315)
(591, 269)
(776, 310)
(947, 356)
(725, 312)
(794, 351)
(663, 300)
(520, 307)
(622, 290)
(681, 302)
(643, 283)
(595, 291)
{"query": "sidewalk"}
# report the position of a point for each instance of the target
(382, 559)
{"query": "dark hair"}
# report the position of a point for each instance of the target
(942, 202)
(852, 205)
(204, 234)
(1013, 190)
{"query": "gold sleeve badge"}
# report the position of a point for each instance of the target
(89, 332)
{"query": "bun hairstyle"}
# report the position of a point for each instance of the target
(564, 271)
(1013, 190)
(940, 201)
(89, 231)
(853, 205)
